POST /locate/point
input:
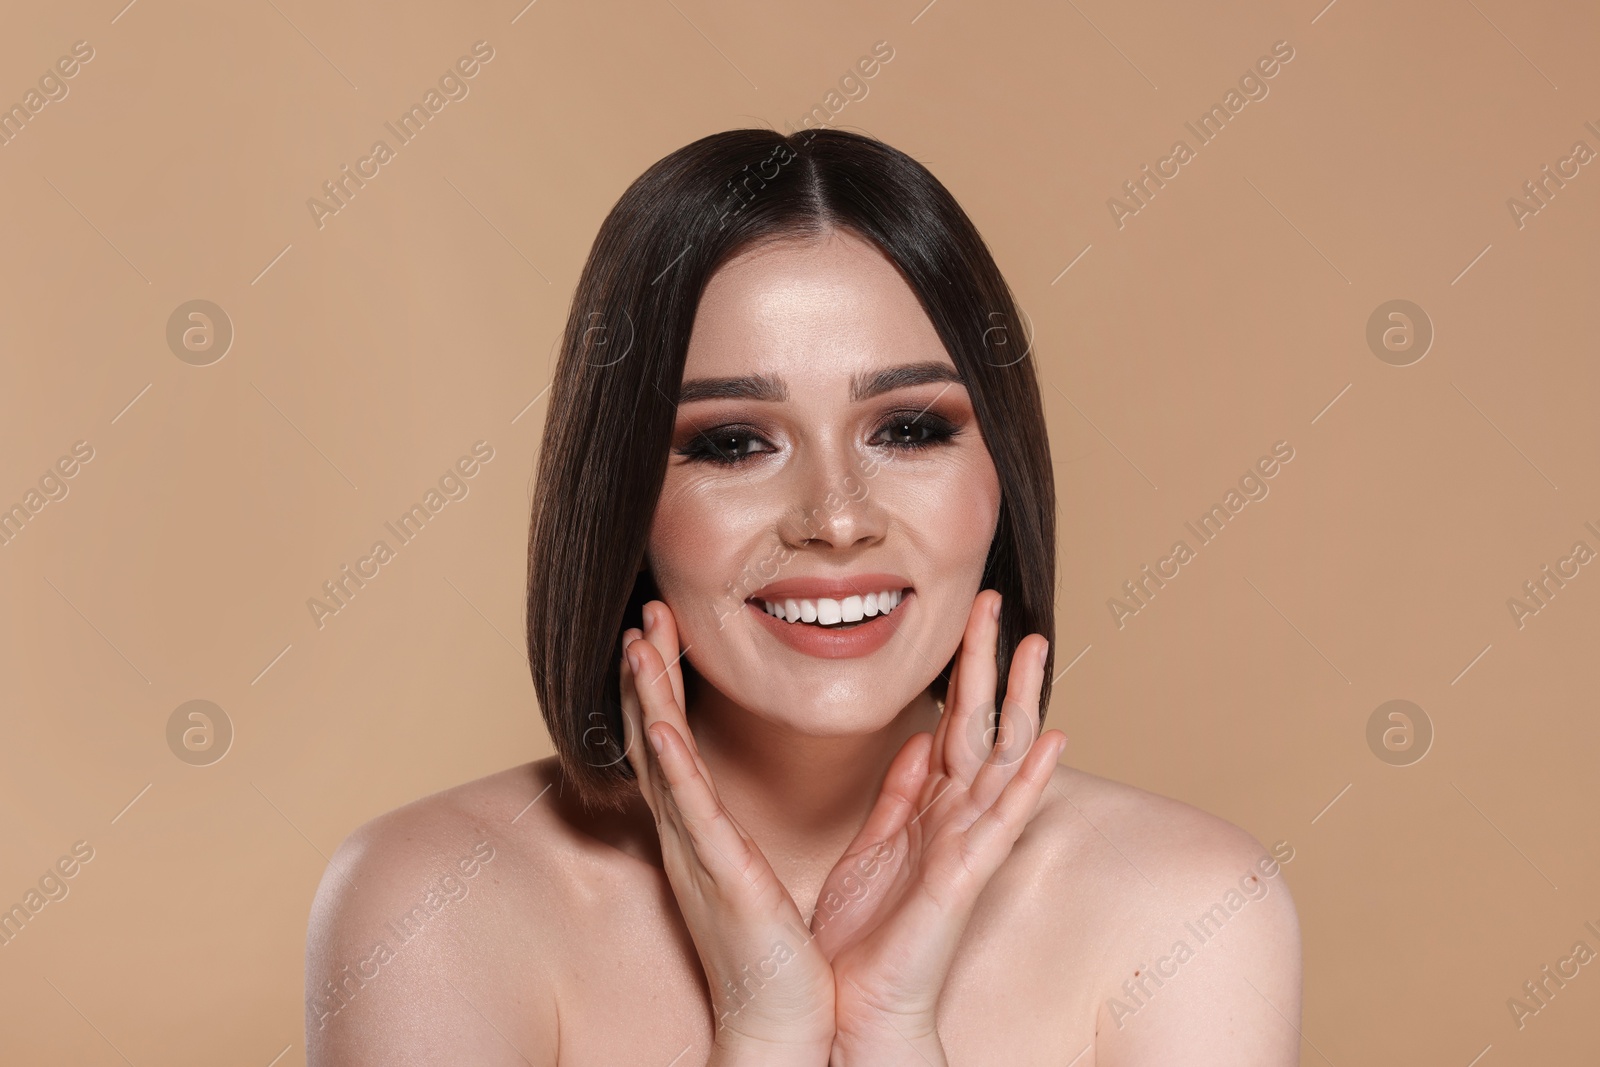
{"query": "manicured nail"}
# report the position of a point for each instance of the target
(649, 618)
(655, 741)
(1044, 654)
(996, 609)
(633, 659)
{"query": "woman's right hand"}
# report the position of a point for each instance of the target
(771, 987)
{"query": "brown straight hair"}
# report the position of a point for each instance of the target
(614, 394)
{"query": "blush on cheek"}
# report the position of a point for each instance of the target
(700, 552)
(959, 504)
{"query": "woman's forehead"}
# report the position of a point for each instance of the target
(795, 308)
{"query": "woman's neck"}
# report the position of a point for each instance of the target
(803, 798)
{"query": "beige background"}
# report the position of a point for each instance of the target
(369, 354)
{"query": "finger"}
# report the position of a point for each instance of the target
(661, 630)
(645, 702)
(641, 703)
(847, 881)
(721, 847)
(660, 655)
(1019, 720)
(989, 839)
(633, 741)
(659, 704)
(896, 802)
(936, 758)
(968, 738)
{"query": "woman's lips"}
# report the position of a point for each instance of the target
(861, 639)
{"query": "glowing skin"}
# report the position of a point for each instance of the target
(574, 943)
(815, 316)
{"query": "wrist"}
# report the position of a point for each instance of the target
(915, 1044)
(732, 1049)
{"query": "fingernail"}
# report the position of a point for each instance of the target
(633, 659)
(655, 741)
(649, 618)
(996, 609)
(1044, 654)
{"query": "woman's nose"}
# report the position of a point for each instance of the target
(833, 504)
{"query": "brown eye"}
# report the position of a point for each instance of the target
(910, 430)
(724, 446)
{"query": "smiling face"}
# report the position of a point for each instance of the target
(824, 448)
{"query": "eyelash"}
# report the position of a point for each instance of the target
(703, 448)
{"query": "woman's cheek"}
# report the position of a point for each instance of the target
(687, 511)
(697, 547)
(958, 500)
(977, 483)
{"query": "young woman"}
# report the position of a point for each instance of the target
(791, 585)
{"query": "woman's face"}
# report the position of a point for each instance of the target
(824, 449)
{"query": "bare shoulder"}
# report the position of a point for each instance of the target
(431, 925)
(1188, 919)
(1112, 826)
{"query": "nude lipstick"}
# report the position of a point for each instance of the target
(833, 618)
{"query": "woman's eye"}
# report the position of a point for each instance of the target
(916, 429)
(726, 446)
(729, 446)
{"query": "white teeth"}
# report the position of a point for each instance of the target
(827, 612)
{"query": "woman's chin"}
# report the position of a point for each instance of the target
(834, 717)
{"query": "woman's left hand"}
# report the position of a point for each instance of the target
(892, 911)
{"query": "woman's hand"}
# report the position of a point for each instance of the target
(771, 988)
(953, 803)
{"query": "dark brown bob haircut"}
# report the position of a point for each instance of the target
(614, 394)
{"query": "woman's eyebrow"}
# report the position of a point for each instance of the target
(862, 386)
